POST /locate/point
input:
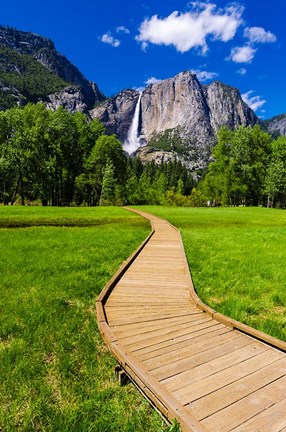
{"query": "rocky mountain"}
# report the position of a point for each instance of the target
(24, 56)
(276, 125)
(177, 116)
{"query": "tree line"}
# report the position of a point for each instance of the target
(58, 158)
(248, 168)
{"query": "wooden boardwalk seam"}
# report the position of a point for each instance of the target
(206, 370)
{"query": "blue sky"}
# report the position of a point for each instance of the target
(126, 44)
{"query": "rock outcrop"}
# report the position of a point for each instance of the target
(117, 113)
(43, 51)
(277, 125)
(178, 115)
(70, 98)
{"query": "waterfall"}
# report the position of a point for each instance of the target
(132, 143)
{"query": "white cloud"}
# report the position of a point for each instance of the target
(109, 39)
(243, 54)
(152, 80)
(204, 75)
(122, 29)
(254, 102)
(259, 34)
(241, 71)
(189, 30)
(144, 46)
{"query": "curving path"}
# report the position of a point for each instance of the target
(208, 371)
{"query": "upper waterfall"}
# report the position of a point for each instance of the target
(132, 143)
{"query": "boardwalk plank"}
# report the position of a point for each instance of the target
(257, 402)
(198, 359)
(272, 419)
(211, 377)
(215, 366)
(233, 400)
(197, 390)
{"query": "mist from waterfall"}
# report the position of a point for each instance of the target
(132, 143)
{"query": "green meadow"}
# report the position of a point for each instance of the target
(55, 371)
(237, 258)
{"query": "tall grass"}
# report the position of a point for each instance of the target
(237, 258)
(55, 371)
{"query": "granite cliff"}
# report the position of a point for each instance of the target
(276, 125)
(27, 53)
(178, 116)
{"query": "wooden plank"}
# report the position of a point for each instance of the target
(236, 414)
(157, 321)
(207, 329)
(198, 359)
(189, 350)
(272, 419)
(196, 390)
(176, 345)
(130, 330)
(191, 330)
(215, 366)
(241, 399)
(182, 356)
(119, 320)
(159, 335)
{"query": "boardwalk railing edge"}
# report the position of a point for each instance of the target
(167, 404)
(223, 319)
(217, 316)
(151, 389)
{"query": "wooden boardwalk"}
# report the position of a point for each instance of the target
(208, 371)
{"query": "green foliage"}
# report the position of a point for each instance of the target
(108, 184)
(275, 180)
(43, 152)
(237, 175)
(60, 158)
(56, 372)
(22, 72)
(175, 427)
(170, 140)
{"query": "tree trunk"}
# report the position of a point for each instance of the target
(15, 191)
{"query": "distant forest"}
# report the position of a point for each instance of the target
(58, 158)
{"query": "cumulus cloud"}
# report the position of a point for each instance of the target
(204, 75)
(259, 35)
(254, 102)
(190, 30)
(244, 54)
(109, 39)
(241, 71)
(122, 29)
(152, 80)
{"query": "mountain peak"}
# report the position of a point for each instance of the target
(178, 110)
(42, 50)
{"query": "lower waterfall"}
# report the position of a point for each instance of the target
(132, 143)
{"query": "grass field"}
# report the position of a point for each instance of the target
(237, 258)
(55, 371)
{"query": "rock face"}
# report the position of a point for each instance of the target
(277, 125)
(178, 114)
(43, 51)
(117, 113)
(70, 98)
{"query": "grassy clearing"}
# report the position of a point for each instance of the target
(55, 372)
(238, 261)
